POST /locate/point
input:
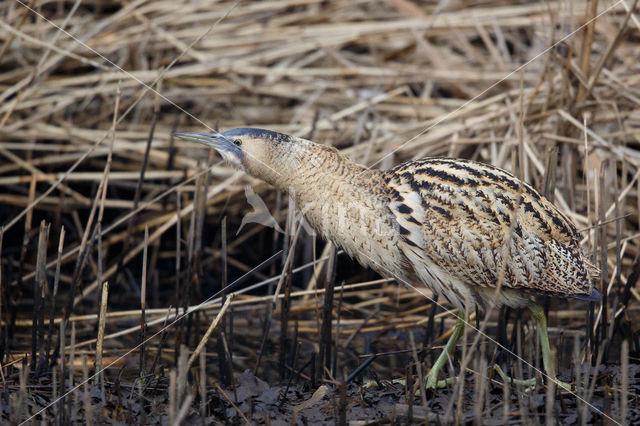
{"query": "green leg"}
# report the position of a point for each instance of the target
(529, 384)
(432, 378)
(541, 319)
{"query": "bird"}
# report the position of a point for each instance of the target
(474, 234)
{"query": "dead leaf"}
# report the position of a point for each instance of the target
(315, 398)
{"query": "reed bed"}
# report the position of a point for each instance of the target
(132, 292)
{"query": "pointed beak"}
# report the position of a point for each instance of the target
(231, 153)
(213, 140)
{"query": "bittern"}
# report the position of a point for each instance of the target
(474, 234)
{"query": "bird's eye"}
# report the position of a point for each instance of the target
(237, 142)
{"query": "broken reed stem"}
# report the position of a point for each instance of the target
(212, 327)
(172, 396)
(624, 382)
(342, 399)
(178, 270)
(102, 323)
(72, 353)
(88, 412)
(224, 362)
(604, 264)
(2, 332)
(229, 363)
(39, 288)
(183, 373)
(163, 336)
(143, 301)
(324, 357)
(54, 295)
(64, 400)
(203, 384)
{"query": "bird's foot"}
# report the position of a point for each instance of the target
(564, 385)
(374, 384)
(432, 382)
(530, 384)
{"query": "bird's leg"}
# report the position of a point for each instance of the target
(432, 381)
(538, 314)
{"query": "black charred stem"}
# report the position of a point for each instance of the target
(325, 331)
(40, 283)
(342, 403)
(265, 333)
(285, 306)
(430, 329)
(293, 373)
(363, 365)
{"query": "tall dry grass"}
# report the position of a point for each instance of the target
(119, 242)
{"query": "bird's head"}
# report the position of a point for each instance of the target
(262, 153)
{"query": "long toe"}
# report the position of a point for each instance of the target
(529, 384)
(563, 385)
(431, 381)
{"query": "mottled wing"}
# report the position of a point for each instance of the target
(455, 217)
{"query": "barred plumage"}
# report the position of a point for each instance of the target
(465, 224)
(460, 227)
